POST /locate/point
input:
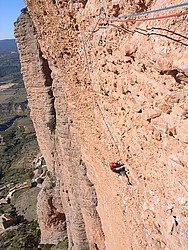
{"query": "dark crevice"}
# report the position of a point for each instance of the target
(109, 51)
(133, 57)
(116, 9)
(84, 2)
(56, 216)
(46, 70)
(126, 92)
(176, 222)
(116, 72)
(139, 111)
(48, 84)
(51, 203)
(141, 7)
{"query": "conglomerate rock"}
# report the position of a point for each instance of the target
(139, 74)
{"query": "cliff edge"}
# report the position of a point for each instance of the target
(102, 91)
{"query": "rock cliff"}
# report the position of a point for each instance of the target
(120, 96)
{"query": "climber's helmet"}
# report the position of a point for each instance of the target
(111, 165)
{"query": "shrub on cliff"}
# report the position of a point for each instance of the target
(51, 181)
(24, 10)
(51, 124)
(40, 180)
(62, 245)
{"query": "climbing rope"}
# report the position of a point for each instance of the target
(119, 19)
(147, 12)
(96, 101)
(93, 30)
(147, 19)
(91, 83)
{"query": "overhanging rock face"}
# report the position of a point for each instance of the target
(138, 73)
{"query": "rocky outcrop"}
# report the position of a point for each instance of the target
(67, 202)
(139, 74)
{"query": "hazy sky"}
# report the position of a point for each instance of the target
(9, 11)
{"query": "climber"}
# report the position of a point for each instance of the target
(118, 168)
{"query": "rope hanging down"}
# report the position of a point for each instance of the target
(147, 12)
(99, 19)
(90, 80)
(118, 19)
(96, 101)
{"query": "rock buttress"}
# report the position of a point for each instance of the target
(67, 202)
(139, 72)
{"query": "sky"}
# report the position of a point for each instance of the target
(9, 11)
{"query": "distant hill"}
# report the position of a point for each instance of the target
(13, 96)
(9, 62)
(8, 46)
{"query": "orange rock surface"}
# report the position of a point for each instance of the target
(139, 76)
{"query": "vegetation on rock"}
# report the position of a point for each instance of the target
(40, 180)
(52, 125)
